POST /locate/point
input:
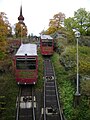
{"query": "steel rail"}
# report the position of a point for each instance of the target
(25, 104)
(44, 110)
(33, 105)
(18, 104)
(60, 112)
(51, 97)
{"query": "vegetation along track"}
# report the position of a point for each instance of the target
(51, 109)
(26, 104)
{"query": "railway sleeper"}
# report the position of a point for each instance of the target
(25, 117)
(50, 92)
(26, 114)
(51, 99)
(50, 83)
(49, 74)
(48, 103)
(50, 88)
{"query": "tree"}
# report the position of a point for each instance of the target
(5, 31)
(80, 22)
(82, 18)
(57, 20)
(5, 28)
(50, 30)
(55, 23)
(69, 24)
(20, 30)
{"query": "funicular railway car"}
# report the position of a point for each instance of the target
(46, 44)
(26, 64)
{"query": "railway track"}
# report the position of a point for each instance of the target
(51, 110)
(26, 104)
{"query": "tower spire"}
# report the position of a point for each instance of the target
(21, 10)
(21, 18)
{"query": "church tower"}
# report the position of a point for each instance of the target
(21, 28)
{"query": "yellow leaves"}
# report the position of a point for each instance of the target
(84, 67)
(4, 31)
(2, 50)
(55, 23)
(20, 30)
(85, 85)
(5, 28)
(84, 60)
(51, 30)
(57, 20)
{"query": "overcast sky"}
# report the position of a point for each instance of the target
(38, 12)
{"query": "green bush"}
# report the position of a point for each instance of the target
(40, 81)
(69, 61)
(9, 89)
(66, 89)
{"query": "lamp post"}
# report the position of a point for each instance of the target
(77, 94)
(21, 32)
(22, 28)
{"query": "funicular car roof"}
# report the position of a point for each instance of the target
(27, 49)
(46, 37)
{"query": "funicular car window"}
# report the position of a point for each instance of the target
(20, 64)
(47, 42)
(44, 43)
(29, 63)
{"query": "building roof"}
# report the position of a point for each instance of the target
(46, 37)
(27, 49)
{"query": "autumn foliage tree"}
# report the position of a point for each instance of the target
(5, 31)
(5, 28)
(20, 30)
(56, 23)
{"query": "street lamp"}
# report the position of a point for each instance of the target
(77, 94)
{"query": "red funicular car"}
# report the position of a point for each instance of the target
(26, 64)
(46, 45)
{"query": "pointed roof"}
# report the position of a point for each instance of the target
(21, 16)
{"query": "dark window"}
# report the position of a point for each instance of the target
(44, 43)
(47, 42)
(20, 64)
(31, 64)
(26, 64)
